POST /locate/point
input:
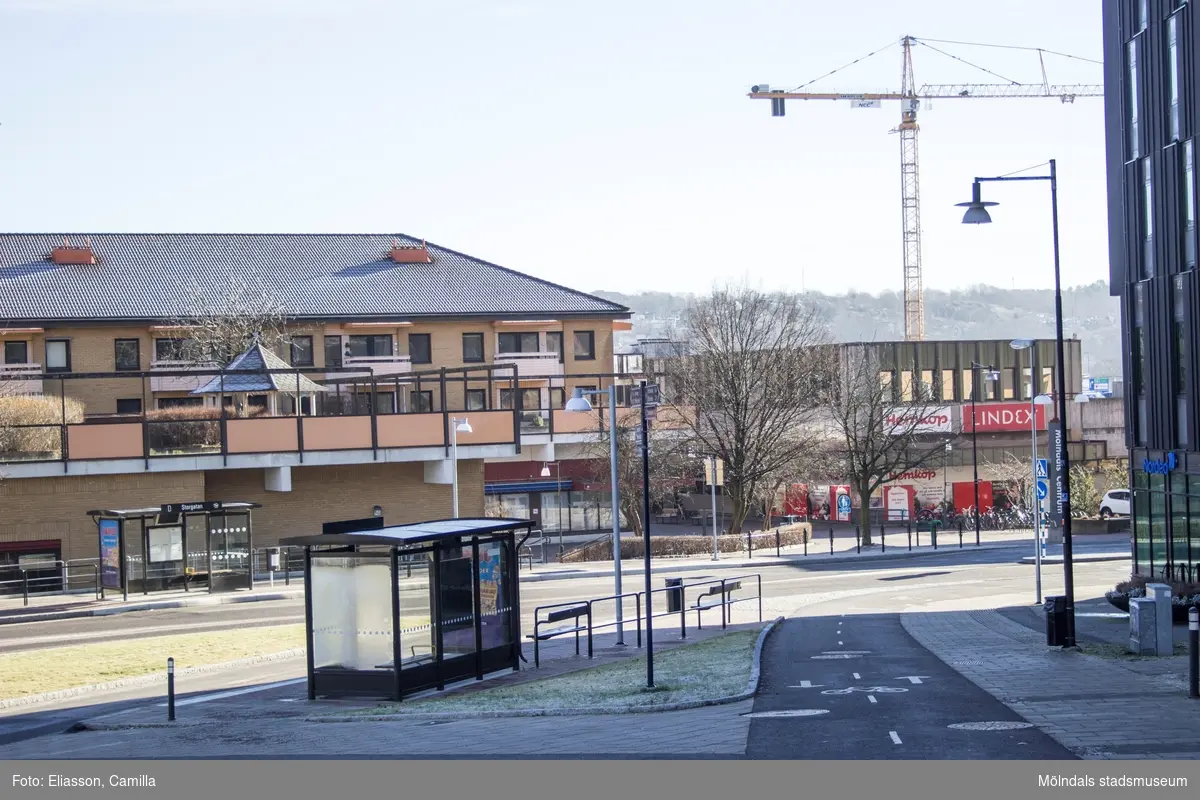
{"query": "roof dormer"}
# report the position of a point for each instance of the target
(73, 254)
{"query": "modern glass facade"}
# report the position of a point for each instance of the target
(1166, 515)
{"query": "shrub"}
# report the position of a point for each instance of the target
(184, 428)
(19, 410)
(1181, 592)
(677, 546)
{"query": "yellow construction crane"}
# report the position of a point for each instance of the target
(910, 97)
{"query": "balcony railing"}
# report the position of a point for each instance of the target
(533, 365)
(21, 378)
(380, 366)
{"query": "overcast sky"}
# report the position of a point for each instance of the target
(602, 145)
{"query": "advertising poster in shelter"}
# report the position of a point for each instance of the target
(489, 579)
(110, 554)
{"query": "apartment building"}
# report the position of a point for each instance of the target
(391, 343)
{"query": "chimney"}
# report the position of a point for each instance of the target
(410, 253)
(73, 254)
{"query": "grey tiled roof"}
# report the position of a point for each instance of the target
(143, 276)
(258, 358)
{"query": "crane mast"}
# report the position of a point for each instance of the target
(910, 97)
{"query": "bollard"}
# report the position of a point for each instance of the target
(1193, 652)
(806, 535)
(910, 541)
(882, 539)
(918, 538)
(25, 585)
(170, 690)
(831, 541)
(960, 538)
(857, 540)
(777, 554)
(933, 533)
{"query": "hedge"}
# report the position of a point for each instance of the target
(35, 410)
(668, 546)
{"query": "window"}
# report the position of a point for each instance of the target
(947, 384)
(1147, 219)
(333, 351)
(129, 405)
(558, 399)
(16, 352)
(419, 348)
(585, 345)
(476, 400)
(180, 402)
(127, 354)
(968, 384)
(374, 346)
(1143, 14)
(1173, 76)
(302, 351)
(386, 401)
(421, 402)
(554, 344)
(531, 399)
(1132, 80)
(58, 355)
(171, 349)
(925, 390)
(506, 399)
(256, 401)
(518, 343)
(906, 386)
(1138, 360)
(887, 389)
(1189, 205)
(472, 348)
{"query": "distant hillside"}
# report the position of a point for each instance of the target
(983, 312)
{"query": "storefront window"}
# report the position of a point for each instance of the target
(1193, 545)
(1141, 531)
(1158, 524)
(1179, 532)
(552, 518)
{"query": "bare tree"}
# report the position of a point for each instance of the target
(753, 366)
(881, 434)
(217, 328)
(816, 463)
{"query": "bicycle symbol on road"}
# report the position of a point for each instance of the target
(867, 689)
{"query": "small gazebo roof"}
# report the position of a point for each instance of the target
(242, 378)
(400, 535)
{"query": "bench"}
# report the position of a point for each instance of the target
(668, 515)
(414, 659)
(716, 596)
(574, 626)
(527, 550)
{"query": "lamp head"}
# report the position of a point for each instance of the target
(1083, 398)
(578, 402)
(463, 426)
(977, 209)
(1043, 400)
(1021, 344)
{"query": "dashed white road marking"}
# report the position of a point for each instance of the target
(841, 642)
(857, 677)
(912, 678)
(233, 693)
(895, 737)
(807, 685)
(871, 697)
(796, 712)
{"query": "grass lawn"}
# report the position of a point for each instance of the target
(50, 669)
(714, 668)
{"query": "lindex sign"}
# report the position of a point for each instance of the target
(1001, 417)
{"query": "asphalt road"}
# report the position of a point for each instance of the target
(860, 687)
(811, 592)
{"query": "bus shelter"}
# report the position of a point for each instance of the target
(395, 610)
(177, 545)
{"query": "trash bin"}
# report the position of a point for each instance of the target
(273, 558)
(1056, 620)
(675, 596)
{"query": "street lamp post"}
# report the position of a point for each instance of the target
(457, 426)
(989, 375)
(977, 213)
(579, 403)
(558, 490)
(1035, 400)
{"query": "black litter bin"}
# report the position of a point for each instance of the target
(675, 596)
(1056, 620)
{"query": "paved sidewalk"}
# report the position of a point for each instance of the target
(1096, 707)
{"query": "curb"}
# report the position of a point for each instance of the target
(751, 689)
(152, 605)
(139, 680)
(1093, 557)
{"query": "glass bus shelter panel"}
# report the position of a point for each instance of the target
(352, 613)
(495, 594)
(229, 542)
(417, 643)
(135, 557)
(456, 601)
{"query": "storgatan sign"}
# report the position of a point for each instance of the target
(1152, 467)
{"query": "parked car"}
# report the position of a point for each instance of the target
(1115, 504)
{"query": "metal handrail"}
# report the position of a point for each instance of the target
(63, 580)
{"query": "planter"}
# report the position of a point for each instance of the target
(1179, 612)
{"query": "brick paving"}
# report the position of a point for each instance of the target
(1098, 708)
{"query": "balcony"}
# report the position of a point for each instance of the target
(533, 365)
(20, 379)
(380, 366)
(178, 383)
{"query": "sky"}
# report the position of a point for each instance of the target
(600, 145)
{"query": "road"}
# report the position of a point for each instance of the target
(954, 580)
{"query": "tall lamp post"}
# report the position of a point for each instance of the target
(457, 426)
(1035, 400)
(558, 487)
(976, 214)
(989, 375)
(579, 404)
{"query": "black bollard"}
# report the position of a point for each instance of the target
(857, 540)
(806, 535)
(1193, 652)
(831, 541)
(170, 690)
(882, 539)
(910, 541)
(777, 554)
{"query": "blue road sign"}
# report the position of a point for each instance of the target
(1042, 469)
(1042, 490)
